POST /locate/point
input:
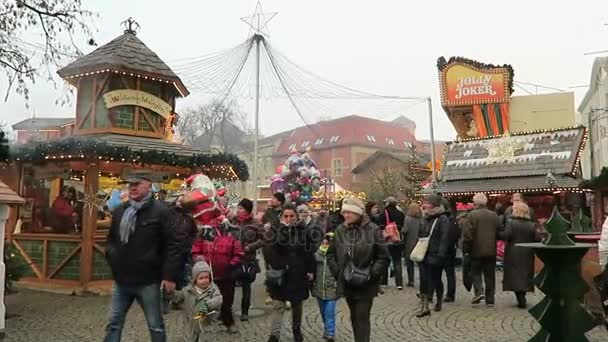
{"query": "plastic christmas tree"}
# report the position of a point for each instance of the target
(561, 314)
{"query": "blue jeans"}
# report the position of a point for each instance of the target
(328, 314)
(149, 298)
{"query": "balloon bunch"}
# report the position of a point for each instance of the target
(298, 178)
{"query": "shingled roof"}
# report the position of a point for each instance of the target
(42, 123)
(126, 53)
(530, 160)
(8, 196)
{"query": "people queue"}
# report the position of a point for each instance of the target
(155, 251)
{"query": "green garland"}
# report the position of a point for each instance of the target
(94, 149)
(598, 181)
(15, 266)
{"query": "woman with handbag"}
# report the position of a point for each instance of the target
(251, 237)
(357, 257)
(431, 252)
(391, 223)
(292, 266)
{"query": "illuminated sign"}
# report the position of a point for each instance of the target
(465, 82)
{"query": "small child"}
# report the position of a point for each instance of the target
(201, 299)
(325, 289)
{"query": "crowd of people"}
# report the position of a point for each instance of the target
(157, 251)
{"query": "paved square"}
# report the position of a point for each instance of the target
(48, 317)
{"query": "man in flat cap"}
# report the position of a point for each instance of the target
(144, 256)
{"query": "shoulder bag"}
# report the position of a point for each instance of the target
(355, 276)
(391, 232)
(419, 251)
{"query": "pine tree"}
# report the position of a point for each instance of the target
(415, 173)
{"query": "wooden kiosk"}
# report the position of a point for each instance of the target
(125, 112)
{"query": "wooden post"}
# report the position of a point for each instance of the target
(89, 225)
(3, 218)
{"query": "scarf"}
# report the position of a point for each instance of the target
(242, 218)
(127, 223)
(323, 249)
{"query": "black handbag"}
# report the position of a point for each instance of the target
(275, 278)
(246, 272)
(356, 276)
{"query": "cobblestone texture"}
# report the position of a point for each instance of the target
(47, 317)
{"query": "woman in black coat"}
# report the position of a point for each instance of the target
(412, 225)
(519, 262)
(392, 214)
(292, 251)
(437, 226)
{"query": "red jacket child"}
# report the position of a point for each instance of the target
(223, 251)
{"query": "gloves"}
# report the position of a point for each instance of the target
(201, 308)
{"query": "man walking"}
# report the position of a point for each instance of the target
(479, 242)
(144, 256)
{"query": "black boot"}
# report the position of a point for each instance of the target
(439, 303)
(297, 335)
(521, 300)
(424, 307)
(273, 339)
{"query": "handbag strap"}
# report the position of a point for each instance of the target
(433, 227)
(388, 218)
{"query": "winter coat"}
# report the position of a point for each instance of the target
(508, 214)
(335, 220)
(291, 249)
(251, 236)
(454, 234)
(439, 241)
(152, 253)
(368, 250)
(602, 245)
(411, 230)
(518, 262)
(325, 284)
(272, 216)
(479, 239)
(185, 230)
(224, 253)
(62, 219)
(198, 330)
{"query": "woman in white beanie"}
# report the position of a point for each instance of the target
(357, 257)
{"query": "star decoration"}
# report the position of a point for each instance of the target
(258, 22)
(90, 201)
(503, 149)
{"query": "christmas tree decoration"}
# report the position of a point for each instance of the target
(561, 314)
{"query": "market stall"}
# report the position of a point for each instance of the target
(125, 114)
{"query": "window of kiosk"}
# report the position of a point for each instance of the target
(54, 204)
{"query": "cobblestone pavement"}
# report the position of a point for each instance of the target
(38, 316)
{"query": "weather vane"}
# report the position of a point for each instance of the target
(131, 26)
(258, 22)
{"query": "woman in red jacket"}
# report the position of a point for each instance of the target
(220, 247)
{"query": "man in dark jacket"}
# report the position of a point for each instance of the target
(185, 232)
(272, 215)
(479, 242)
(358, 246)
(392, 214)
(313, 229)
(144, 256)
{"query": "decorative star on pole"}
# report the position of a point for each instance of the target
(503, 149)
(258, 22)
(90, 201)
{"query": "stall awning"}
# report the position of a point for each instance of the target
(509, 185)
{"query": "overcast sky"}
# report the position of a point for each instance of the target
(381, 46)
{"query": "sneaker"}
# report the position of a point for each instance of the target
(244, 318)
(400, 288)
(478, 299)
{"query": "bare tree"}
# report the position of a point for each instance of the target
(24, 60)
(220, 126)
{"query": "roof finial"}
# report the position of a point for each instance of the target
(131, 26)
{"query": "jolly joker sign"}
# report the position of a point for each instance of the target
(464, 85)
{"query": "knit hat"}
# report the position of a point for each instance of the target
(280, 197)
(390, 200)
(246, 204)
(200, 267)
(353, 205)
(303, 208)
(434, 200)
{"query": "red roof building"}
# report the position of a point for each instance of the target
(339, 145)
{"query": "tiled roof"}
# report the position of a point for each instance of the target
(146, 144)
(535, 154)
(506, 184)
(124, 53)
(7, 195)
(346, 131)
(42, 123)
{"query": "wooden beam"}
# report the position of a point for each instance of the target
(93, 104)
(99, 249)
(91, 186)
(27, 258)
(136, 112)
(147, 118)
(94, 109)
(64, 261)
(45, 258)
